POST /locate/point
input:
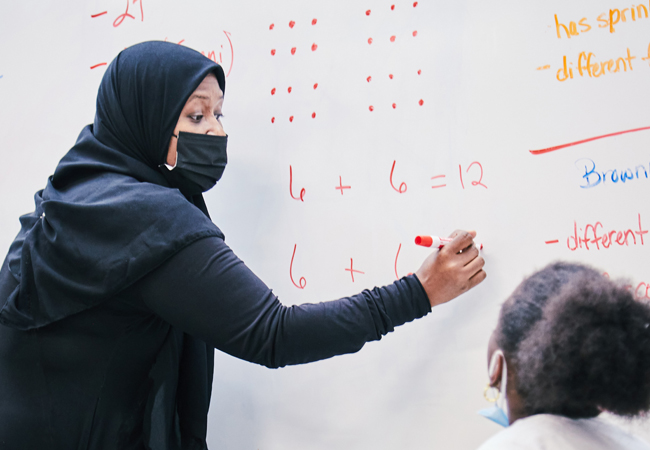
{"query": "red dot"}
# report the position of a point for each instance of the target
(272, 26)
(415, 33)
(390, 76)
(394, 106)
(368, 13)
(419, 72)
(421, 102)
(368, 79)
(273, 91)
(392, 7)
(313, 115)
(291, 119)
(273, 52)
(291, 24)
(289, 90)
(313, 22)
(392, 38)
(293, 51)
(314, 47)
(415, 4)
(315, 85)
(369, 40)
(372, 108)
(272, 119)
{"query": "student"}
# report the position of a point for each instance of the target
(569, 345)
(119, 286)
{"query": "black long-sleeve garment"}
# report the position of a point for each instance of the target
(87, 381)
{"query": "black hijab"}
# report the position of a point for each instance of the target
(108, 215)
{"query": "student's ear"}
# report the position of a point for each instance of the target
(496, 369)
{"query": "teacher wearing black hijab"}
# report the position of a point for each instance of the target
(119, 287)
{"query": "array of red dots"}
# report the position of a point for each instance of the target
(392, 38)
(314, 47)
(292, 24)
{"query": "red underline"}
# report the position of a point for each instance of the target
(558, 147)
(97, 65)
(100, 14)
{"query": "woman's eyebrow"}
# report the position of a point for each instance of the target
(201, 96)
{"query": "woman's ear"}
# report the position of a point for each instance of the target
(495, 370)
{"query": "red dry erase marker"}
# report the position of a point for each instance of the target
(435, 241)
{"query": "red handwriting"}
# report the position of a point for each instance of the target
(341, 187)
(118, 21)
(642, 291)
(301, 282)
(397, 256)
(352, 270)
(554, 241)
(474, 182)
(314, 21)
(98, 65)
(591, 235)
(232, 51)
(99, 14)
(368, 13)
(421, 102)
(292, 24)
(570, 144)
(301, 197)
(438, 185)
(402, 186)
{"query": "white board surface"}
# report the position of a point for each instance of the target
(449, 97)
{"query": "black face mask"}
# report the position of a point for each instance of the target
(200, 162)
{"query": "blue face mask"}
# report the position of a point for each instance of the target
(498, 413)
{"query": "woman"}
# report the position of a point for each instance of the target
(119, 286)
(569, 345)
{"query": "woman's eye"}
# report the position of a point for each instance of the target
(218, 116)
(196, 117)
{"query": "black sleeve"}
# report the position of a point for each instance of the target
(206, 291)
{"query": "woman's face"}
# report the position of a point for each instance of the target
(201, 114)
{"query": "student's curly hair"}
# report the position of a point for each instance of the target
(579, 343)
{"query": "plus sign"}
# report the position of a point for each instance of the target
(352, 271)
(341, 187)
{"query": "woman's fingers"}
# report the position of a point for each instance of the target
(461, 240)
(455, 269)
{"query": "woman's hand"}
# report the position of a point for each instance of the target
(454, 269)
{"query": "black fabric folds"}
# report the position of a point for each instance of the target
(108, 216)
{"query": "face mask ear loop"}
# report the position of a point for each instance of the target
(170, 168)
(502, 401)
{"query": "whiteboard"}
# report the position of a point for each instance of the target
(403, 118)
